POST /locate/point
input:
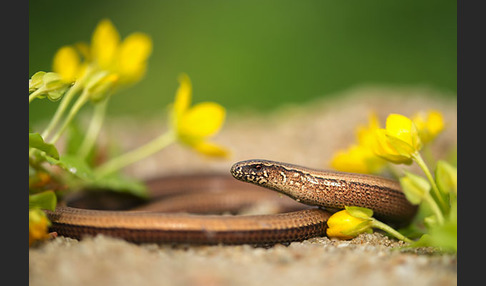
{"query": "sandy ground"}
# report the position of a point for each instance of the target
(306, 135)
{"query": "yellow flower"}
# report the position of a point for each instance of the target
(429, 125)
(107, 56)
(399, 141)
(357, 159)
(343, 225)
(360, 158)
(194, 125)
(67, 64)
(353, 220)
(38, 226)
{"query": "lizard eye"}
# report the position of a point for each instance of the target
(258, 167)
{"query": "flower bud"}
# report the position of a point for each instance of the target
(347, 224)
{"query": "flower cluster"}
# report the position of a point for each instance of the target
(398, 142)
(106, 63)
(93, 73)
(401, 142)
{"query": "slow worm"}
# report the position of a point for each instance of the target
(315, 190)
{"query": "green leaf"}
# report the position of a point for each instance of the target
(423, 241)
(76, 166)
(417, 227)
(36, 141)
(446, 177)
(359, 212)
(46, 200)
(443, 237)
(121, 184)
(79, 168)
(414, 187)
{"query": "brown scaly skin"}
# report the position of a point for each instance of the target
(311, 187)
(329, 189)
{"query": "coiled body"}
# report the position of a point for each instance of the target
(297, 222)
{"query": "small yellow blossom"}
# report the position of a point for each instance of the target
(429, 125)
(194, 125)
(353, 220)
(343, 225)
(38, 226)
(399, 141)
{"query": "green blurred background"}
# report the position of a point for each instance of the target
(259, 54)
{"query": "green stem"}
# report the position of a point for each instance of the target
(427, 154)
(61, 109)
(94, 128)
(34, 94)
(142, 152)
(418, 159)
(435, 208)
(378, 224)
(83, 98)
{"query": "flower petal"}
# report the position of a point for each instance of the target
(383, 148)
(211, 149)
(428, 125)
(357, 159)
(67, 63)
(435, 122)
(399, 126)
(202, 120)
(132, 56)
(83, 49)
(104, 43)
(402, 128)
(183, 96)
(365, 135)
